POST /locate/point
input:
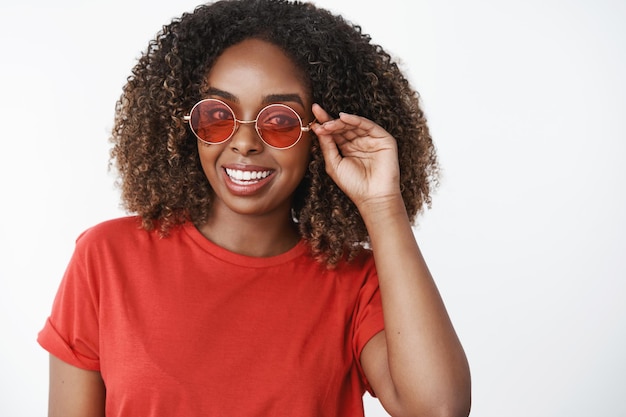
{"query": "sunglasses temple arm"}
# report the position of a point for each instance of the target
(307, 128)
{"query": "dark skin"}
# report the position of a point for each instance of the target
(255, 220)
(417, 365)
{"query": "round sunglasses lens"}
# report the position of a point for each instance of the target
(212, 121)
(279, 126)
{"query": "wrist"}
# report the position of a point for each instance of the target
(382, 208)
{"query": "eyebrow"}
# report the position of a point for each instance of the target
(271, 98)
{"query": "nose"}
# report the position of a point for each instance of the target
(246, 140)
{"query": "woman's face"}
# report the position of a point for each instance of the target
(248, 176)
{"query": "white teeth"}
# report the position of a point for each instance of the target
(246, 176)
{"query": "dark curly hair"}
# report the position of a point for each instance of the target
(156, 154)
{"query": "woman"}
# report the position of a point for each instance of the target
(274, 159)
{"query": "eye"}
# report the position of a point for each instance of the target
(215, 112)
(278, 117)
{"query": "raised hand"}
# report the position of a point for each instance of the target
(361, 157)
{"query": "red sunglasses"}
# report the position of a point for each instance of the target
(214, 122)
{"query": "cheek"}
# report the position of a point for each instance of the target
(299, 160)
(208, 157)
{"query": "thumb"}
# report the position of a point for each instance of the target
(331, 154)
(320, 114)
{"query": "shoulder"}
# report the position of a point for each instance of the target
(362, 263)
(128, 230)
(125, 232)
(114, 229)
(359, 271)
(123, 239)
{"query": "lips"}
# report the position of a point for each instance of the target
(246, 182)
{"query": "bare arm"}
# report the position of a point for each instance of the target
(74, 392)
(417, 366)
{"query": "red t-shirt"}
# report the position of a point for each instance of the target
(178, 326)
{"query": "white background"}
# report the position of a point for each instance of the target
(527, 235)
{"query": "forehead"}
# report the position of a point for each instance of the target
(254, 66)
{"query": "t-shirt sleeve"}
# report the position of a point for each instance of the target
(71, 331)
(368, 317)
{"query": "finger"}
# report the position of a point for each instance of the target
(320, 114)
(327, 143)
(362, 126)
(324, 120)
(340, 131)
(324, 123)
(331, 154)
(351, 126)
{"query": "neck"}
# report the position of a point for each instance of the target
(258, 236)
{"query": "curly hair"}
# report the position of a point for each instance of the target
(156, 155)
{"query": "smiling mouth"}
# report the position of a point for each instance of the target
(246, 177)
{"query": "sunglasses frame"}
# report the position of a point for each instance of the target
(237, 122)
